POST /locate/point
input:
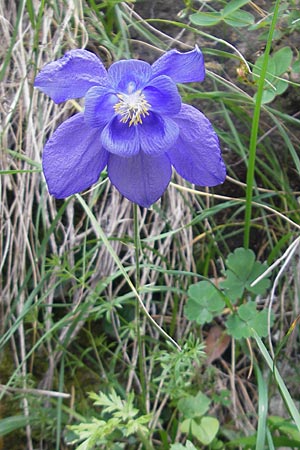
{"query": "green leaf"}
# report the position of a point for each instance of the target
(247, 442)
(247, 311)
(243, 259)
(267, 97)
(284, 426)
(233, 286)
(242, 271)
(239, 19)
(204, 302)
(261, 287)
(282, 60)
(205, 430)
(192, 407)
(10, 424)
(259, 323)
(279, 63)
(247, 319)
(233, 6)
(296, 66)
(237, 328)
(270, 69)
(205, 19)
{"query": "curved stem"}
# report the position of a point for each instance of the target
(115, 257)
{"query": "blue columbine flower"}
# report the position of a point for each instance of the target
(134, 123)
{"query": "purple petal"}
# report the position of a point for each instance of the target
(129, 76)
(99, 103)
(181, 67)
(162, 94)
(196, 155)
(157, 134)
(142, 178)
(73, 158)
(70, 76)
(120, 138)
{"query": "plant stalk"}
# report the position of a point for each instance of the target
(140, 343)
(255, 128)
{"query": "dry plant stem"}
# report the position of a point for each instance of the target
(37, 392)
(237, 200)
(286, 257)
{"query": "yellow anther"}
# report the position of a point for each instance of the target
(132, 108)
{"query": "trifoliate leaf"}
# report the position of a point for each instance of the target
(242, 270)
(204, 302)
(233, 286)
(259, 323)
(246, 319)
(237, 328)
(247, 311)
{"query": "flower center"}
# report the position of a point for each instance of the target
(132, 107)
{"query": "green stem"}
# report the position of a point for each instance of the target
(115, 257)
(137, 246)
(140, 343)
(255, 126)
(293, 410)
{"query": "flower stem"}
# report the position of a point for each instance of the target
(140, 343)
(100, 233)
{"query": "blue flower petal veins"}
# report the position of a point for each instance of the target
(158, 134)
(134, 121)
(128, 76)
(71, 76)
(196, 155)
(163, 96)
(185, 67)
(99, 106)
(118, 138)
(73, 158)
(142, 178)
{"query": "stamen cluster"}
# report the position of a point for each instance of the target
(132, 107)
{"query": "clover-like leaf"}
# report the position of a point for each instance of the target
(242, 270)
(241, 258)
(259, 323)
(247, 311)
(204, 429)
(204, 302)
(246, 319)
(237, 328)
(232, 286)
